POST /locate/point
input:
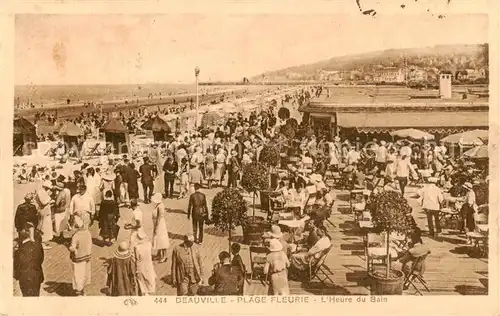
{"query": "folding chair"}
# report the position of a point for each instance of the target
(416, 275)
(319, 270)
(479, 237)
(258, 254)
(375, 251)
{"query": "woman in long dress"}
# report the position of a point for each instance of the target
(209, 167)
(109, 214)
(161, 242)
(219, 168)
(44, 203)
(146, 275)
(276, 268)
(184, 189)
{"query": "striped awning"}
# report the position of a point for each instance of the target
(433, 122)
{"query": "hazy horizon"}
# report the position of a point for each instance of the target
(139, 49)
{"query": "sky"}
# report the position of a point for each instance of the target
(133, 49)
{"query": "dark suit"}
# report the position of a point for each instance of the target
(197, 209)
(28, 260)
(147, 180)
(226, 280)
(25, 213)
(170, 169)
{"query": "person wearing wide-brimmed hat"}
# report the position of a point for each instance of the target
(121, 277)
(80, 254)
(44, 202)
(107, 183)
(276, 268)
(145, 272)
(161, 241)
(275, 233)
(431, 199)
(61, 208)
(468, 208)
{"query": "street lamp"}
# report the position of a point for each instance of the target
(196, 74)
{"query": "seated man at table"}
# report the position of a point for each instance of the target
(299, 262)
(417, 250)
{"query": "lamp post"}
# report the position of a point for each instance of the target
(196, 74)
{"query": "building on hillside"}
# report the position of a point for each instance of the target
(330, 75)
(392, 75)
(417, 74)
(473, 74)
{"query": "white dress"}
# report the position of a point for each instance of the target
(160, 232)
(137, 218)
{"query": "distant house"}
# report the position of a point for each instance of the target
(394, 75)
(330, 75)
(473, 74)
(417, 74)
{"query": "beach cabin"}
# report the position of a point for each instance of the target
(24, 137)
(70, 133)
(159, 127)
(117, 136)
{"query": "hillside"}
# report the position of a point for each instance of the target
(442, 58)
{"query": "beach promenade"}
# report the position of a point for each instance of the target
(450, 269)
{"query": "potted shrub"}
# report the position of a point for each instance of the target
(390, 213)
(255, 178)
(229, 210)
(270, 157)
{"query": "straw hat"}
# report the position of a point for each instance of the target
(382, 142)
(467, 185)
(109, 176)
(432, 180)
(275, 245)
(47, 184)
(141, 235)
(157, 198)
(29, 196)
(275, 232)
(122, 251)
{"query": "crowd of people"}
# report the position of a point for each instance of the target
(69, 204)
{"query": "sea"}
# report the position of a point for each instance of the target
(59, 94)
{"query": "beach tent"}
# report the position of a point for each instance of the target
(116, 135)
(412, 134)
(70, 133)
(210, 119)
(470, 138)
(478, 152)
(24, 137)
(159, 127)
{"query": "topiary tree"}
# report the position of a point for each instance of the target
(284, 113)
(390, 213)
(229, 210)
(270, 155)
(255, 178)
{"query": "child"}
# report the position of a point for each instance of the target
(237, 262)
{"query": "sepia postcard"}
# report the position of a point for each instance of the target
(225, 157)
